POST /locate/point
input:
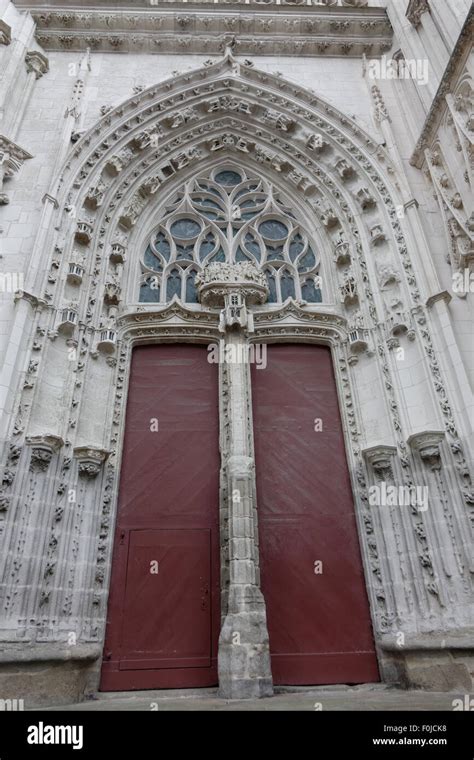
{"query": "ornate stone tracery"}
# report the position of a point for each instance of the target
(229, 217)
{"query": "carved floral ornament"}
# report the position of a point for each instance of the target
(90, 460)
(299, 26)
(43, 447)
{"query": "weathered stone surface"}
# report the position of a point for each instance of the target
(436, 672)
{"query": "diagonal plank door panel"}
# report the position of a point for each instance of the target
(318, 614)
(163, 625)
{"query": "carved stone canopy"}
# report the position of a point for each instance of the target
(90, 460)
(47, 441)
(37, 63)
(43, 448)
(11, 160)
(428, 445)
(380, 457)
(5, 33)
(217, 281)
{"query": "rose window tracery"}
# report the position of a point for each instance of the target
(229, 216)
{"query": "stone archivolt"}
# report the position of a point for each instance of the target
(190, 141)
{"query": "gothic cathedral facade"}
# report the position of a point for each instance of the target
(236, 345)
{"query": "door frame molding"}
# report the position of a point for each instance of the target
(289, 323)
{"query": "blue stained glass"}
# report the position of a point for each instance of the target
(206, 207)
(248, 204)
(296, 246)
(287, 287)
(191, 292)
(240, 255)
(245, 191)
(173, 286)
(272, 296)
(307, 262)
(310, 292)
(275, 254)
(162, 245)
(150, 291)
(185, 228)
(219, 256)
(152, 261)
(228, 178)
(252, 246)
(184, 253)
(248, 215)
(207, 202)
(273, 229)
(207, 246)
(208, 189)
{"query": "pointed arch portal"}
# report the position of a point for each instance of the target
(143, 218)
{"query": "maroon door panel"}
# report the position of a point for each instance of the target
(163, 613)
(161, 603)
(311, 570)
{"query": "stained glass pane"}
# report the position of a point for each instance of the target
(296, 246)
(240, 255)
(273, 229)
(150, 291)
(228, 178)
(152, 261)
(307, 262)
(287, 287)
(252, 245)
(185, 228)
(272, 296)
(275, 254)
(219, 256)
(162, 245)
(206, 247)
(310, 292)
(184, 252)
(191, 292)
(173, 286)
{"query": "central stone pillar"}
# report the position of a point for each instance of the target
(244, 652)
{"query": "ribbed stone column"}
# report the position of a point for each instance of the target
(244, 653)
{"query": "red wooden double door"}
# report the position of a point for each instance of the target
(163, 616)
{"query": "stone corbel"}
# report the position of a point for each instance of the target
(235, 287)
(35, 301)
(36, 63)
(90, 460)
(5, 33)
(43, 448)
(11, 160)
(380, 460)
(427, 444)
